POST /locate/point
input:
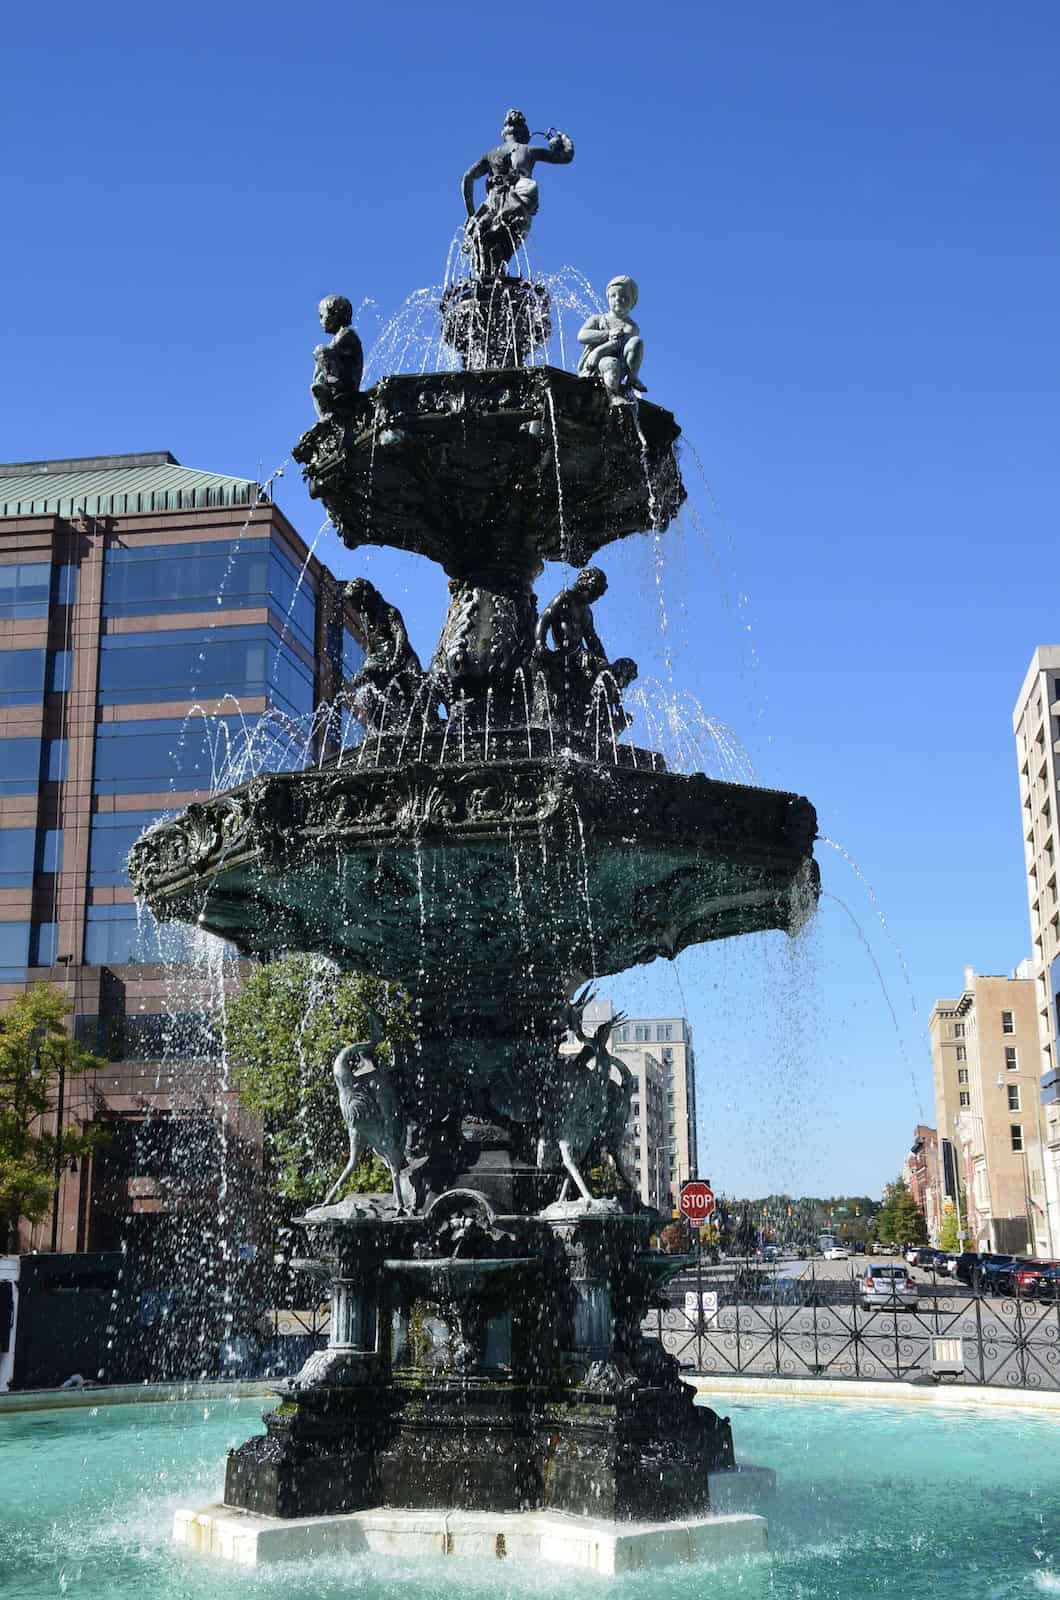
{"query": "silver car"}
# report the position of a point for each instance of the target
(888, 1289)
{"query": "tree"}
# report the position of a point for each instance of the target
(34, 1048)
(283, 1031)
(900, 1220)
(948, 1232)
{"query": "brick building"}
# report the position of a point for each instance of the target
(163, 631)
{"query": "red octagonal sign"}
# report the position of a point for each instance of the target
(696, 1201)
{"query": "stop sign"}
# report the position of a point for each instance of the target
(696, 1201)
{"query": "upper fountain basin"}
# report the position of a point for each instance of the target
(494, 471)
(500, 879)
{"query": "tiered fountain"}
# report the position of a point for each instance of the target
(493, 845)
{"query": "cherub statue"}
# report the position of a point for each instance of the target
(576, 671)
(338, 366)
(569, 619)
(614, 348)
(496, 230)
(390, 677)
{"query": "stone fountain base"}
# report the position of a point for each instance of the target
(547, 1538)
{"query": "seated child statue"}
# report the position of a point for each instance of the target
(614, 348)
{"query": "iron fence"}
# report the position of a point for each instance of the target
(747, 1324)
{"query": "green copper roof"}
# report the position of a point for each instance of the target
(101, 486)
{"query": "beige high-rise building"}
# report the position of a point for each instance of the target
(984, 1056)
(660, 1145)
(1036, 725)
(667, 1042)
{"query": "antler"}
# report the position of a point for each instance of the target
(575, 1008)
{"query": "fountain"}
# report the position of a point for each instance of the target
(493, 847)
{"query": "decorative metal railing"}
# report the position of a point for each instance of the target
(733, 1325)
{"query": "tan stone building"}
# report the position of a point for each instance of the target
(984, 1056)
(1036, 725)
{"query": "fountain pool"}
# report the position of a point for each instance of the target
(872, 1499)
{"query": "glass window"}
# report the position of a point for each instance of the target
(185, 664)
(60, 668)
(122, 935)
(1014, 1097)
(24, 589)
(165, 753)
(113, 836)
(144, 582)
(1010, 1057)
(292, 591)
(1007, 1023)
(962, 1075)
(64, 583)
(21, 677)
(962, 1052)
(966, 1098)
(43, 944)
(19, 766)
(17, 848)
(53, 762)
(958, 1030)
(352, 655)
(143, 1037)
(1016, 1130)
(14, 951)
(50, 850)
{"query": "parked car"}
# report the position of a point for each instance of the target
(837, 1252)
(1049, 1283)
(993, 1273)
(1027, 1275)
(965, 1265)
(887, 1288)
(946, 1262)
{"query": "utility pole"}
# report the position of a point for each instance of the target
(58, 1173)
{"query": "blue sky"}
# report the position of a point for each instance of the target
(843, 221)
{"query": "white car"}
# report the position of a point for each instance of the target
(837, 1253)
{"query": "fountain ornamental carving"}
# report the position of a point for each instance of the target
(494, 846)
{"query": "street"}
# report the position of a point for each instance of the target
(801, 1318)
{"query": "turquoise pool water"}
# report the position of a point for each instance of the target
(873, 1500)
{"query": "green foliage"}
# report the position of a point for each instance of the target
(899, 1220)
(948, 1233)
(283, 1031)
(34, 1045)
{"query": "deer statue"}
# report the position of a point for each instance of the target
(582, 1099)
(371, 1109)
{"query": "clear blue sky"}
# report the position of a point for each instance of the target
(843, 220)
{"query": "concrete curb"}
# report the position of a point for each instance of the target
(1045, 1401)
(124, 1394)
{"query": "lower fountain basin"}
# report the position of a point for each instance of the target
(950, 1501)
(546, 870)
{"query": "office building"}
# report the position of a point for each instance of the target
(984, 1057)
(163, 631)
(667, 1041)
(1036, 726)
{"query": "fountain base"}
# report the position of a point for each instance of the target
(530, 1537)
